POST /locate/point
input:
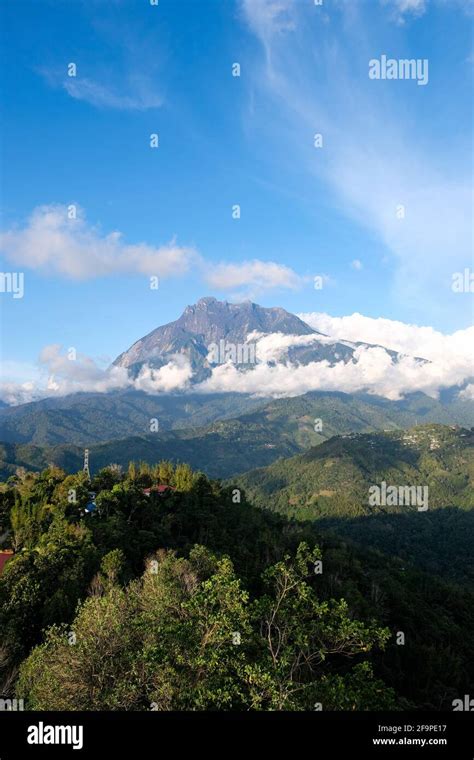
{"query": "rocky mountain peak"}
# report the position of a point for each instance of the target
(206, 322)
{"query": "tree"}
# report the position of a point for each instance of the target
(27, 522)
(299, 634)
(183, 479)
(187, 637)
(41, 585)
(165, 472)
(91, 670)
(72, 494)
(165, 642)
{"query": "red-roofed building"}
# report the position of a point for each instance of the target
(161, 490)
(5, 555)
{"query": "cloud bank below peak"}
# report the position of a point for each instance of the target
(371, 370)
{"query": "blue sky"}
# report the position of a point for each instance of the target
(225, 140)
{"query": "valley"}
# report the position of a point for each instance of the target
(222, 492)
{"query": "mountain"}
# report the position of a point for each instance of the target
(315, 417)
(333, 479)
(209, 321)
(87, 419)
(219, 450)
(82, 419)
(203, 324)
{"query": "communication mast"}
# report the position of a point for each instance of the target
(86, 463)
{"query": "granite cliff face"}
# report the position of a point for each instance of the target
(210, 321)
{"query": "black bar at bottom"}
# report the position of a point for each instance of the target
(405, 734)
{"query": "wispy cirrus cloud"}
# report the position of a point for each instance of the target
(136, 92)
(268, 17)
(140, 97)
(414, 201)
(403, 10)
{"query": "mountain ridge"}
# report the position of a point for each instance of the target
(88, 419)
(209, 321)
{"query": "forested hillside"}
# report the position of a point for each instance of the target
(195, 599)
(331, 484)
(83, 419)
(223, 448)
(333, 479)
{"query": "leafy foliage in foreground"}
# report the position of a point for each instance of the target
(223, 567)
(186, 637)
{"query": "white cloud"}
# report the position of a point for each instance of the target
(402, 8)
(397, 336)
(52, 242)
(173, 376)
(382, 162)
(273, 346)
(20, 393)
(268, 17)
(136, 90)
(372, 369)
(254, 276)
(59, 375)
(140, 98)
(65, 375)
(412, 6)
(468, 392)
(356, 264)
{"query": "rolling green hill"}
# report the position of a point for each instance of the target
(220, 450)
(333, 479)
(226, 447)
(85, 418)
(330, 483)
(359, 413)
